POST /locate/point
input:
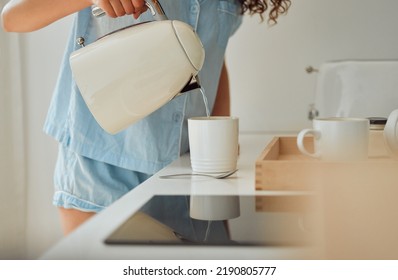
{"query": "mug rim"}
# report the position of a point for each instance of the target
(212, 118)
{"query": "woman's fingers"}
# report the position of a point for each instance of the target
(128, 7)
(106, 6)
(139, 7)
(118, 8)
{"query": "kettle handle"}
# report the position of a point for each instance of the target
(153, 5)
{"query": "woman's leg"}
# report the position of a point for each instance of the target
(72, 219)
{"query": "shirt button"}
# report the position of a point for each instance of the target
(177, 117)
(194, 9)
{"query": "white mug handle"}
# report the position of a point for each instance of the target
(391, 132)
(300, 142)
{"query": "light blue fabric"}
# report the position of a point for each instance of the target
(155, 141)
(89, 185)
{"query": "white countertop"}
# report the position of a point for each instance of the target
(87, 242)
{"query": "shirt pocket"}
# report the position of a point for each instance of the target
(230, 19)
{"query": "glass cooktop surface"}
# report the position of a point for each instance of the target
(218, 220)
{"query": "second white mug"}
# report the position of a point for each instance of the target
(337, 139)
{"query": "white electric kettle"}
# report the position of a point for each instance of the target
(391, 133)
(128, 74)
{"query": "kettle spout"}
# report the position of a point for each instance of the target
(192, 84)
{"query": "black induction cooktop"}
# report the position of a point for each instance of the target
(244, 220)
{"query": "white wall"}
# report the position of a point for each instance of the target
(41, 53)
(12, 153)
(270, 89)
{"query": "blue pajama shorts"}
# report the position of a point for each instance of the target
(88, 185)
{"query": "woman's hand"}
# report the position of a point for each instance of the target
(118, 8)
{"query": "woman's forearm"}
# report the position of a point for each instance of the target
(222, 103)
(30, 15)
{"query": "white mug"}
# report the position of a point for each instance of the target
(213, 144)
(337, 139)
(391, 133)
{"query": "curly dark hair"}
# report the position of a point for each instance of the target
(277, 7)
